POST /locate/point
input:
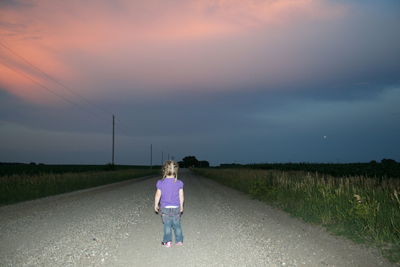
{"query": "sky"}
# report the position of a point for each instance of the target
(238, 81)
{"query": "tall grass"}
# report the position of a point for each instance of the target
(386, 168)
(7, 169)
(15, 188)
(361, 208)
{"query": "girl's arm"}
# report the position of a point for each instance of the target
(157, 200)
(181, 198)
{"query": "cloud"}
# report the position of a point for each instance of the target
(268, 69)
(137, 47)
(21, 144)
(365, 129)
(262, 127)
(16, 3)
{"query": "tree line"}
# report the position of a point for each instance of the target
(193, 162)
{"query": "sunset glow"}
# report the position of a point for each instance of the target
(75, 41)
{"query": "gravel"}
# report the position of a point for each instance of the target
(115, 225)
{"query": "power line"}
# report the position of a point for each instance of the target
(73, 92)
(64, 98)
(49, 77)
(48, 89)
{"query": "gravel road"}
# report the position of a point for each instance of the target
(115, 225)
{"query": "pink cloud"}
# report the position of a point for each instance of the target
(146, 44)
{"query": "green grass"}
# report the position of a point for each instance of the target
(366, 210)
(7, 169)
(385, 169)
(15, 188)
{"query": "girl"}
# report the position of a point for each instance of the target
(170, 191)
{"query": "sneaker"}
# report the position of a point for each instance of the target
(179, 244)
(166, 244)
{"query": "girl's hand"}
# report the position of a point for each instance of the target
(181, 209)
(156, 208)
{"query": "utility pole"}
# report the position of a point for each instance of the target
(162, 158)
(113, 140)
(151, 156)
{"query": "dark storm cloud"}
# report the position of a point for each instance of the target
(243, 128)
(59, 119)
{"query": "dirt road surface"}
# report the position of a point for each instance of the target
(115, 225)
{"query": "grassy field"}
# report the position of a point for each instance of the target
(384, 169)
(364, 209)
(7, 169)
(20, 186)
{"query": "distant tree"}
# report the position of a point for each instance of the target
(203, 164)
(190, 161)
(388, 162)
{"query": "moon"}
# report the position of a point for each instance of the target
(325, 136)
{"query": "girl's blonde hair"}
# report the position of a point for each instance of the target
(170, 168)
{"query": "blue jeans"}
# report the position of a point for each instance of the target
(171, 218)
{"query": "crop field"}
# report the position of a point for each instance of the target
(35, 169)
(364, 209)
(20, 182)
(386, 168)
